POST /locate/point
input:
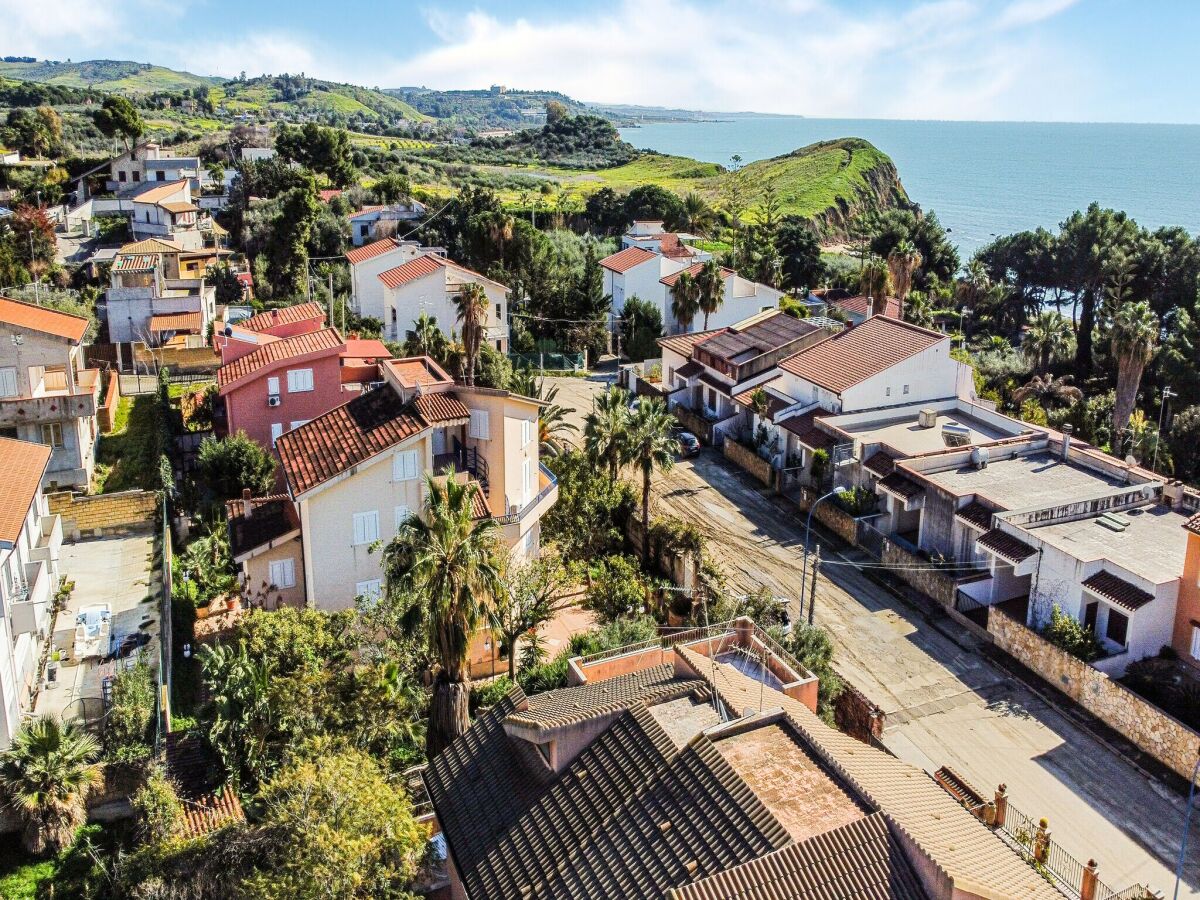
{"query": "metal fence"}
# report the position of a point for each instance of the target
(165, 637)
(558, 362)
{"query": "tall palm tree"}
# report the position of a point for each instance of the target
(46, 775)
(650, 445)
(698, 216)
(685, 300)
(442, 567)
(1047, 338)
(1133, 337)
(710, 281)
(902, 263)
(1048, 391)
(472, 305)
(876, 282)
(605, 429)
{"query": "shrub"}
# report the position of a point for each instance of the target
(157, 808)
(489, 693)
(813, 649)
(617, 589)
(235, 463)
(126, 733)
(858, 501)
(1072, 637)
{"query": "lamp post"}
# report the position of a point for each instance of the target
(808, 538)
(1187, 824)
(963, 312)
(1167, 394)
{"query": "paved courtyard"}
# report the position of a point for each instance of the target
(115, 571)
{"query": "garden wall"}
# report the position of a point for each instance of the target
(1153, 731)
(86, 516)
(916, 572)
(108, 405)
(185, 359)
(741, 455)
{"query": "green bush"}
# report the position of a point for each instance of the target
(617, 589)
(1069, 635)
(489, 693)
(858, 501)
(127, 729)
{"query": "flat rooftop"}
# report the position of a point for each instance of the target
(1152, 545)
(1019, 482)
(798, 790)
(910, 439)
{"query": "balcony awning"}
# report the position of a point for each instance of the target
(1001, 543)
(900, 486)
(188, 322)
(976, 515)
(1115, 589)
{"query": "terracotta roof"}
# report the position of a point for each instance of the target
(40, 318)
(1006, 546)
(135, 262)
(178, 206)
(689, 369)
(714, 381)
(1193, 524)
(370, 251)
(327, 195)
(345, 436)
(366, 348)
(693, 270)
(287, 315)
(327, 339)
(188, 321)
(683, 343)
(1117, 590)
(976, 515)
(412, 371)
(160, 193)
(479, 504)
(774, 404)
(149, 245)
(852, 356)
(766, 332)
(366, 210)
(272, 517)
(861, 860)
(806, 431)
(212, 811)
(442, 409)
(421, 267)
(900, 485)
(626, 259)
(196, 772)
(880, 463)
(861, 305)
(573, 704)
(20, 477)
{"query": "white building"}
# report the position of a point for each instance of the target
(150, 163)
(167, 211)
(373, 223)
(638, 272)
(743, 298)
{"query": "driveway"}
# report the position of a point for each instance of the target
(114, 571)
(946, 703)
(577, 394)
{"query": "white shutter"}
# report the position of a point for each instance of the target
(369, 590)
(402, 515)
(404, 465)
(1195, 642)
(299, 380)
(283, 573)
(8, 381)
(525, 430)
(366, 527)
(276, 432)
(527, 476)
(480, 430)
(273, 385)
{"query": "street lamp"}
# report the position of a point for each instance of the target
(1187, 824)
(1167, 394)
(808, 539)
(963, 313)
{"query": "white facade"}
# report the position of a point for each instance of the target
(434, 294)
(380, 222)
(743, 298)
(367, 289)
(644, 282)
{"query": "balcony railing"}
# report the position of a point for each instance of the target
(550, 487)
(50, 403)
(31, 607)
(49, 542)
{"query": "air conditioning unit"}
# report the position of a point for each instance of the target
(927, 418)
(273, 400)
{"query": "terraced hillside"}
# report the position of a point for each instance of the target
(121, 76)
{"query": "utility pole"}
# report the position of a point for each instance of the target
(331, 297)
(37, 291)
(1167, 394)
(812, 597)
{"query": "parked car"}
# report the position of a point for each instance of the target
(689, 444)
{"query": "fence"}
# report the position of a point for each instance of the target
(166, 641)
(558, 362)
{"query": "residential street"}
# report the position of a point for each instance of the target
(946, 703)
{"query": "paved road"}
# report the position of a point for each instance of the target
(946, 703)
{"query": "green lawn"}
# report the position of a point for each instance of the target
(20, 875)
(127, 458)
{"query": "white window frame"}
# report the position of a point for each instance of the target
(525, 431)
(405, 465)
(1195, 642)
(296, 423)
(8, 382)
(299, 381)
(372, 589)
(480, 428)
(273, 386)
(285, 569)
(276, 432)
(366, 528)
(55, 443)
(403, 514)
(527, 479)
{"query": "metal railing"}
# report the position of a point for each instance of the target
(511, 518)
(418, 795)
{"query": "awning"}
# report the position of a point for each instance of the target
(900, 486)
(1117, 590)
(1002, 544)
(976, 515)
(805, 429)
(188, 322)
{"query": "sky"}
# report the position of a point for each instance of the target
(1044, 60)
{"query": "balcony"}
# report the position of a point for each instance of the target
(32, 600)
(517, 521)
(53, 401)
(49, 542)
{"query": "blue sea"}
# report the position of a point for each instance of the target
(984, 178)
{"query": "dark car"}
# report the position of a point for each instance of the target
(689, 444)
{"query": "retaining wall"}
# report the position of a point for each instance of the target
(108, 406)
(742, 456)
(916, 572)
(86, 516)
(1153, 731)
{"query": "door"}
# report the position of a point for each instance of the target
(1089, 616)
(439, 441)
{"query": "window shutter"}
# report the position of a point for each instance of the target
(366, 527)
(404, 465)
(370, 590)
(1195, 642)
(8, 381)
(402, 515)
(273, 385)
(479, 425)
(299, 380)
(276, 432)
(283, 573)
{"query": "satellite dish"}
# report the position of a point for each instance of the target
(228, 331)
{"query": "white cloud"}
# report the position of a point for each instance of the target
(1020, 13)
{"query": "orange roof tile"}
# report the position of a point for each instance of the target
(856, 354)
(418, 370)
(160, 193)
(421, 267)
(365, 210)
(20, 477)
(40, 318)
(327, 339)
(861, 305)
(288, 315)
(693, 271)
(626, 259)
(188, 321)
(683, 343)
(370, 251)
(178, 206)
(149, 245)
(442, 409)
(359, 348)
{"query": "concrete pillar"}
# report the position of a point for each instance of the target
(989, 813)
(1041, 841)
(1001, 805)
(1087, 887)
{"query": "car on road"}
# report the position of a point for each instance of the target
(689, 444)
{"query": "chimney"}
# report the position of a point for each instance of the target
(1066, 441)
(1173, 494)
(870, 306)
(247, 507)
(274, 314)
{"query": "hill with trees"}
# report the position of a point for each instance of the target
(123, 76)
(497, 107)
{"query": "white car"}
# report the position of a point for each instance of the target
(92, 627)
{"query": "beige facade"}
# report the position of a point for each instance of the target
(259, 576)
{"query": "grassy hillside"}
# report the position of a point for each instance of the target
(314, 97)
(486, 109)
(107, 75)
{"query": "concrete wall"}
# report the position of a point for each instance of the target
(101, 514)
(1187, 607)
(1153, 731)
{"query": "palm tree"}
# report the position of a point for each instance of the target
(605, 429)
(876, 281)
(697, 214)
(919, 310)
(1133, 336)
(442, 566)
(650, 445)
(426, 338)
(710, 281)
(552, 417)
(685, 300)
(46, 775)
(1048, 391)
(472, 305)
(902, 263)
(1047, 338)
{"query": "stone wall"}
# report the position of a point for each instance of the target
(108, 404)
(828, 514)
(918, 573)
(1153, 731)
(86, 516)
(742, 456)
(858, 716)
(188, 359)
(701, 427)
